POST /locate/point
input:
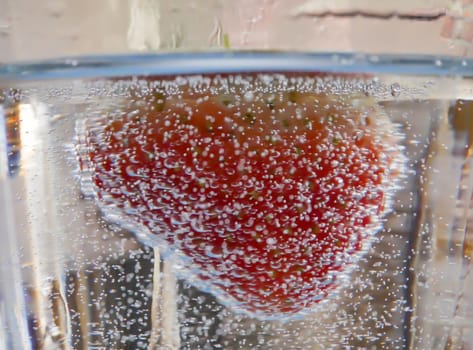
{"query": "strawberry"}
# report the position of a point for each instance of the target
(269, 194)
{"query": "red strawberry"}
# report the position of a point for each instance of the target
(269, 194)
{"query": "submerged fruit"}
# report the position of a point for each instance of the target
(268, 195)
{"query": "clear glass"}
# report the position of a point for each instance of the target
(78, 270)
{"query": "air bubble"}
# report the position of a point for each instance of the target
(395, 90)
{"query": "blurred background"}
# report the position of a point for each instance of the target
(55, 28)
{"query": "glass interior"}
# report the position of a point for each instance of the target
(75, 274)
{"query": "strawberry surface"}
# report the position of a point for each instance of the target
(268, 196)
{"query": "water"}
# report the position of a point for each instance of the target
(89, 266)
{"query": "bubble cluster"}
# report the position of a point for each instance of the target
(268, 191)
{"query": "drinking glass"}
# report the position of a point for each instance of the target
(82, 268)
